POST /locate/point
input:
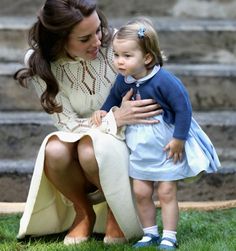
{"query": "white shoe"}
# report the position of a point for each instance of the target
(74, 240)
(114, 240)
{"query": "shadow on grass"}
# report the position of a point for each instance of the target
(58, 238)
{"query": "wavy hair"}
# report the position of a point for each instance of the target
(47, 38)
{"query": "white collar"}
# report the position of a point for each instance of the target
(130, 80)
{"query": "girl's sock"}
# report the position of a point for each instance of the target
(168, 234)
(149, 230)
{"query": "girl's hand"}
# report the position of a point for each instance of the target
(97, 116)
(137, 111)
(175, 148)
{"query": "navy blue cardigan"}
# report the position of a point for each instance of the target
(167, 90)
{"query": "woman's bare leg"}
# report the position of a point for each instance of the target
(112, 228)
(88, 161)
(62, 168)
(90, 167)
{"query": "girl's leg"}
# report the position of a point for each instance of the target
(167, 194)
(143, 191)
(90, 167)
(62, 168)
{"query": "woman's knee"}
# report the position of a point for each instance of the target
(58, 154)
(86, 154)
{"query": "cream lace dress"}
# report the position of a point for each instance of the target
(84, 85)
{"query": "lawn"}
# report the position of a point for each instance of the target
(197, 231)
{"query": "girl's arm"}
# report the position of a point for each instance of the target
(177, 98)
(175, 149)
(178, 102)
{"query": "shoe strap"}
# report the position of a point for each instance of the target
(151, 235)
(175, 244)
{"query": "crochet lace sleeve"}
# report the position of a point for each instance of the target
(68, 120)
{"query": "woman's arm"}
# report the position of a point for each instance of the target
(68, 120)
(130, 112)
(136, 112)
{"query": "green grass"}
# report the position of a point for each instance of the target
(197, 231)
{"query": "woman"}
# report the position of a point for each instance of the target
(71, 68)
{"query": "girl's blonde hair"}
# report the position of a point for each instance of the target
(143, 32)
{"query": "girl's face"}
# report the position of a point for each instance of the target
(129, 59)
(85, 39)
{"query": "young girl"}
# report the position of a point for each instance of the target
(174, 149)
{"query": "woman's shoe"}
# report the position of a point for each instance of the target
(150, 241)
(173, 245)
(74, 240)
(114, 240)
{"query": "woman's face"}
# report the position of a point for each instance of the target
(84, 40)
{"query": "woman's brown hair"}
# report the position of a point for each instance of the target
(47, 38)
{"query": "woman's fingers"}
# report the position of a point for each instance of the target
(146, 121)
(144, 102)
(128, 95)
(147, 111)
(136, 111)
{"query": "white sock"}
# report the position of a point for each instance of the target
(168, 234)
(149, 230)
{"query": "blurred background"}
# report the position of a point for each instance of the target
(199, 39)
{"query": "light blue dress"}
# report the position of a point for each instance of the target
(148, 161)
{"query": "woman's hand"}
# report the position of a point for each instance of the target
(137, 111)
